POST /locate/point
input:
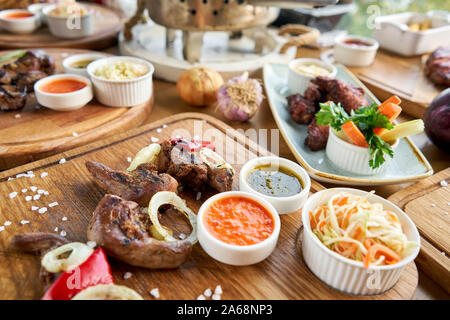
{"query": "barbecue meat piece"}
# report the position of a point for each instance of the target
(27, 80)
(313, 93)
(123, 231)
(220, 178)
(350, 96)
(47, 63)
(437, 67)
(300, 109)
(139, 185)
(7, 76)
(317, 136)
(12, 98)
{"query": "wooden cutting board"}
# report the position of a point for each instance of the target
(404, 77)
(428, 204)
(107, 25)
(31, 134)
(281, 276)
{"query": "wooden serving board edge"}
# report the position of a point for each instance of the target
(430, 260)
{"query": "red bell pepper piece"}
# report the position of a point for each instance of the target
(193, 145)
(95, 270)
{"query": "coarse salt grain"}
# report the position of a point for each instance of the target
(182, 236)
(34, 208)
(17, 116)
(75, 134)
(64, 219)
(91, 244)
(24, 222)
(33, 188)
(164, 126)
(129, 159)
(216, 297)
(7, 223)
(199, 196)
(2, 228)
(40, 191)
(433, 205)
(443, 253)
(36, 197)
(13, 195)
(28, 198)
(127, 275)
(10, 178)
(159, 130)
(44, 174)
(63, 233)
(218, 290)
(207, 293)
(155, 139)
(155, 293)
(53, 204)
(446, 213)
(62, 161)
(45, 193)
(444, 183)
(24, 190)
(201, 297)
(42, 210)
(56, 229)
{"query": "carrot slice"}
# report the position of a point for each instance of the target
(354, 134)
(391, 256)
(391, 109)
(393, 99)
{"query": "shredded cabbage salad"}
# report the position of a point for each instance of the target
(359, 230)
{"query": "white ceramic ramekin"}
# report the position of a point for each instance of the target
(37, 8)
(283, 205)
(355, 56)
(19, 26)
(298, 82)
(122, 93)
(69, 27)
(348, 275)
(67, 62)
(352, 158)
(234, 254)
(64, 101)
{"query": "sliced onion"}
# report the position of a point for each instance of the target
(107, 292)
(206, 154)
(147, 154)
(77, 253)
(166, 197)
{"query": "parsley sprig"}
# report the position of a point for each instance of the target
(366, 119)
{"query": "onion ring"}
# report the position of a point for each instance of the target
(167, 197)
(107, 292)
(78, 253)
(206, 155)
(147, 154)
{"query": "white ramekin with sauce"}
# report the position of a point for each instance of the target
(233, 254)
(345, 274)
(19, 21)
(113, 91)
(77, 63)
(303, 70)
(355, 51)
(283, 204)
(64, 101)
(352, 158)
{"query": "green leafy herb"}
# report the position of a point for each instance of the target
(331, 114)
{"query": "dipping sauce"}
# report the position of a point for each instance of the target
(17, 15)
(238, 221)
(62, 86)
(275, 182)
(82, 64)
(357, 43)
(311, 69)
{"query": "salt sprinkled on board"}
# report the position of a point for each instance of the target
(164, 126)
(7, 223)
(199, 196)
(159, 130)
(129, 159)
(42, 210)
(17, 116)
(56, 229)
(443, 183)
(127, 275)
(33, 188)
(34, 208)
(433, 205)
(10, 178)
(40, 191)
(24, 190)
(155, 293)
(63, 233)
(13, 195)
(28, 198)
(75, 134)
(36, 197)
(446, 213)
(154, 139)
(2, 228)
(24, 222)
(63, 160)
(44, 174)
(53, 204)
(207, 293)
(64, 219)
(201, 297)
(218, 290)
(216, 297)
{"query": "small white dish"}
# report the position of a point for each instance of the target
(298, 82)
(345, 274)
(64, 101)
(353, 158)
(19, 25)
(122, 93)
(355, 55)
(68, 62)
(69, 27)
(283, 205)
(37, 8)
(234, 254)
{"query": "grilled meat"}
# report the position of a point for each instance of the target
(27, 80)
(8, 77)
(123, 231)
(313, 93)
(139, 185)
(12, 98)
(317, 136)
(437, 67)
(350, 96)
(300, 109)
(220, 178)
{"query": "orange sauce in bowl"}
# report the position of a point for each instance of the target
(17, 15)
(238, 221)
(63, 86)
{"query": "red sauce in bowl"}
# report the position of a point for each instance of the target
(17, 15)
(238, 221)
(357, 43)
(62, 86)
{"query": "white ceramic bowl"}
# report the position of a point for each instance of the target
(348, 275)
(64, 101)
(122, 93)
(67, 62)
(355, 56)
(37, 8)
(283, 205)
(298, 82)
(234, 254)
(19, 26)
(69, 28)
(352, 158)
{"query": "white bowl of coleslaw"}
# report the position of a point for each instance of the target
(348, 274)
